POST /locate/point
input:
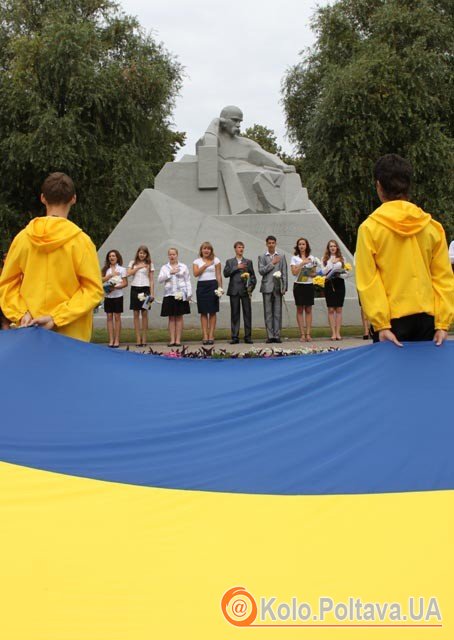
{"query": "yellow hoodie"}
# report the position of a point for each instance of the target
(402, 266)
(52, 269)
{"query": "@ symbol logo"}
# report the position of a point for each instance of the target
(239, 607)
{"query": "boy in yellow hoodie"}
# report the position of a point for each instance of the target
(403, 273)
(51, 275)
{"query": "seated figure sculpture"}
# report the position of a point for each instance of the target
(231, 174)
(254, 180)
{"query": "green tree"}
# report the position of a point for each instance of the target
(82, 90)
(265, 137)
(378, 80)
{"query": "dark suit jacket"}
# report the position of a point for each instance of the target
(237, 285)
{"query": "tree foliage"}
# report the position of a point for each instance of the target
(265, 137)
(82, 90)
(379, 80)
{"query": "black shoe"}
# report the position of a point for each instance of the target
(277, 340)
(248, 341)
(234, 341)
(269, 340)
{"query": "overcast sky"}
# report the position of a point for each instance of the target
(233, 53)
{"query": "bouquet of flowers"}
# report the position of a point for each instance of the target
(341, 273)
(309, 270)
(110, 284)
(219, 292)
(181, 295)
(278, 276)
(246, 278)
(345, 273)
(319, 286)
(146, 300)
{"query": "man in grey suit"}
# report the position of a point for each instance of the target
(240, 288)
(273, 288)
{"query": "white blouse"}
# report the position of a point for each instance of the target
(210, 272)
(141, 278)
(121, 271)
(314, 262)
(451, 252)
(175, 282)
(332, 266)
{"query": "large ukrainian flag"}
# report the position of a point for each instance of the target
(146, 498)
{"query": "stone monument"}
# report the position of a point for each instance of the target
(231, 189)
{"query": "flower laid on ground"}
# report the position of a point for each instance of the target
(219, 292)
(204, 353)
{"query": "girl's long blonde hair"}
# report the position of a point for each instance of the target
(327, 254)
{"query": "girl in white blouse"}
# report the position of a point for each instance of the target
(142, 270)
(113, 302)
(333, 263)
(177, 294)
(207, 268)
(303, 289)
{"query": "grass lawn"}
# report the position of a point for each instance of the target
(222, 335)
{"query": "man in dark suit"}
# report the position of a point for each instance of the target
(240, 270)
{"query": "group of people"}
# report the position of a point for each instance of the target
(51, 276)
(206, 268)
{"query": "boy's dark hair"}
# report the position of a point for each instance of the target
(237, 243)
(394, 173)
(58, 188)
(270, 238)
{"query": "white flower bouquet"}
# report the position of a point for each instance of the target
(219, 292)
(111, 283)
(147, 301)
(343, 273)
(278, 278)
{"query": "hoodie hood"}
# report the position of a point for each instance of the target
(402, 217)
(49, 233)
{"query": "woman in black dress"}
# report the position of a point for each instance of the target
(333, 263)
(207, 269)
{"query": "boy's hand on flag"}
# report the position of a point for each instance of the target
(46, 322)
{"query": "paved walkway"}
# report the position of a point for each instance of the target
(287, 343)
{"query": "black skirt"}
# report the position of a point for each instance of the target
(113, 305)
(136, 304)
(207, 300)
(335, 292)
(303, 295)
(172, 307)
